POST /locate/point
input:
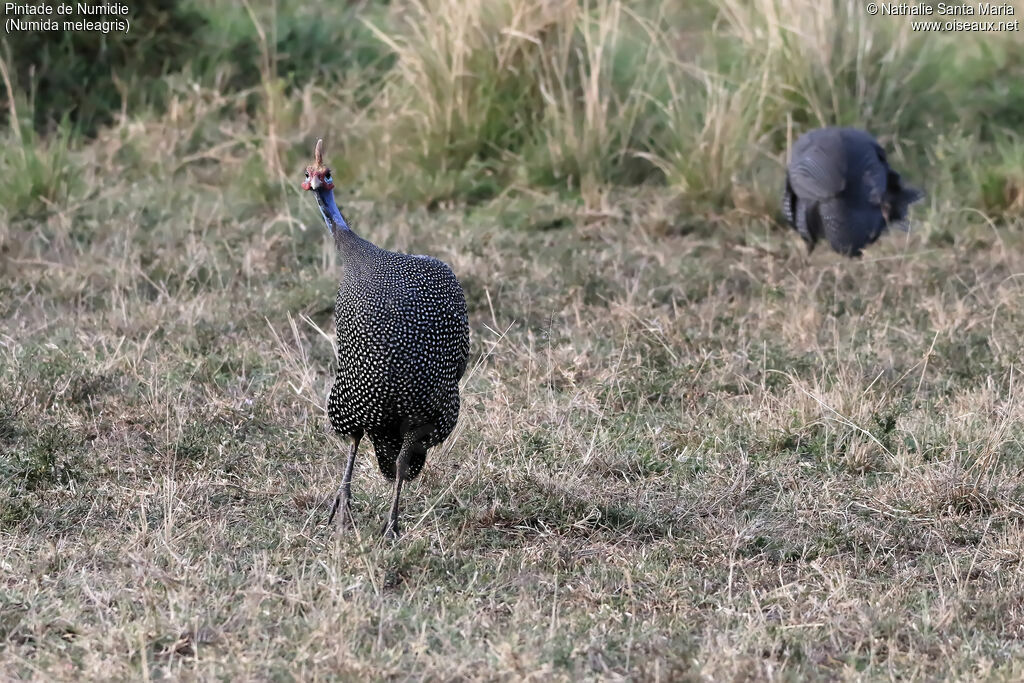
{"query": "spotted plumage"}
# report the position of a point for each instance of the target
(839, 186)
(403, 342)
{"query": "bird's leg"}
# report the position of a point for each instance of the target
(344, 496)
(401, 467)
(413, 439)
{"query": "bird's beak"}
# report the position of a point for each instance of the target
(314, 182)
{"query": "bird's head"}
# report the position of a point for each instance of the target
(897, 200)
(320, 182)
(317, 174)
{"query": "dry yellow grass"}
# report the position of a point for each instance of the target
(679, 455)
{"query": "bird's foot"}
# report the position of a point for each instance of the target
(345, 519)
(343, 510)
(391, 530)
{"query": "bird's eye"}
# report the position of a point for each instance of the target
(327, 176)
(307, 174)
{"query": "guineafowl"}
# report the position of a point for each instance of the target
(840, 186)
(403, 342)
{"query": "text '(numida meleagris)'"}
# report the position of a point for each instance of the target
(79, 16)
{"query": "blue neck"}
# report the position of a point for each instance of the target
(329, 210)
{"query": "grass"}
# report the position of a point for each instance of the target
(687, 449)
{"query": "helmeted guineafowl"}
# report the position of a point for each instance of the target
(403, 342)
(840, 186)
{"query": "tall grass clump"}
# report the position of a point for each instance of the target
(484, 94)
(711, 131)
(461, 93)
(831, 63)
(35, 172)
(599, 83)
(1002, 183)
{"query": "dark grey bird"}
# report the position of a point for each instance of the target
(403, 342)
(840, 186)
